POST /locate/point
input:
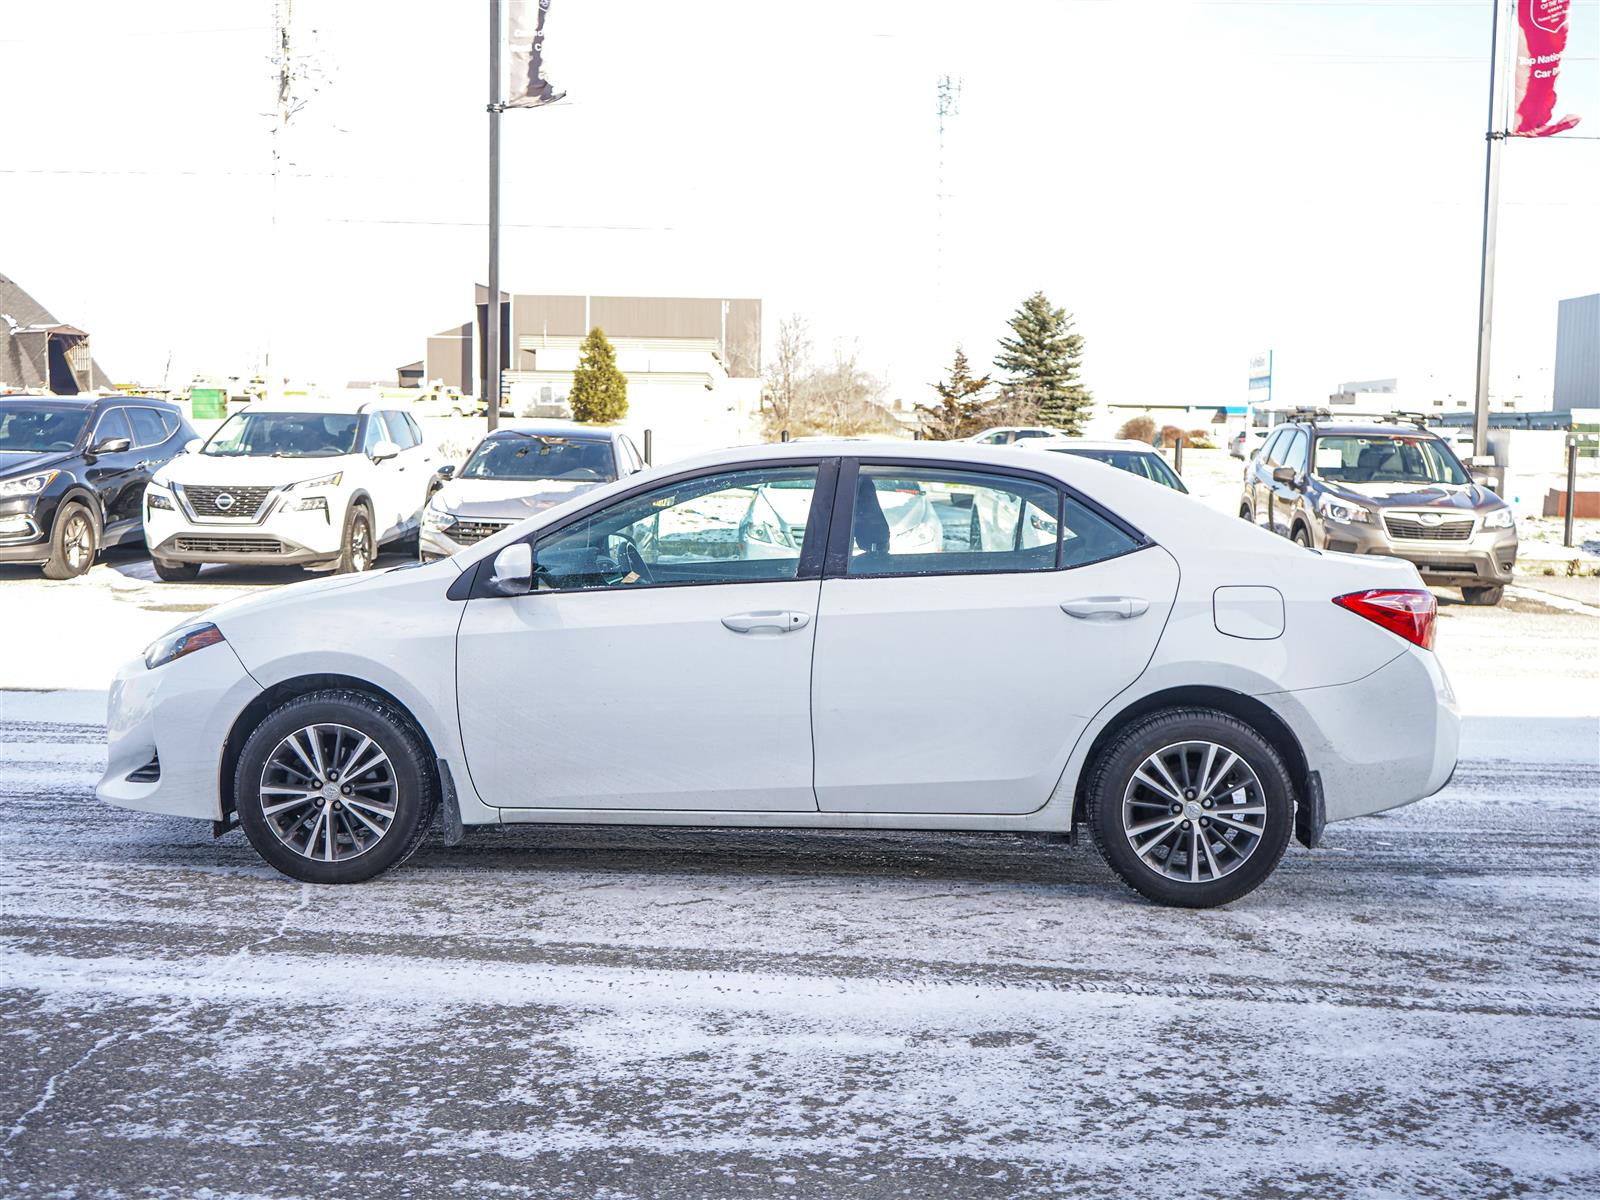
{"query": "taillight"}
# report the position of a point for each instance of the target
(1410, 612)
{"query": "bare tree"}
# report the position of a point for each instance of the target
(840, 398)
(787, 369)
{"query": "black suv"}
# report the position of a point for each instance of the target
(1383, 487)
(73, 472)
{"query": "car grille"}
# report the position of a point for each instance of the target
(230, 545)
(1453, 529)
(467, 532)
(246, 501)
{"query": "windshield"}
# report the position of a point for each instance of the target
(285, 435)
(30, 428)
(1135, 462)
(1386, 458)
(526, 456)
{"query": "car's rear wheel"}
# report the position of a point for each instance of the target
(1244, 513)
(74, 543)
(1191, 807)
(359, 548)
(176, 572)
(334, 787)
(1483, 595)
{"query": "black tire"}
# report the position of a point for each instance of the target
(1483, 595)
(74, 542)
(359, 548)
(1244, 513)
(1111, 778)
(176, 572)
(414, 790)
(1302, 536)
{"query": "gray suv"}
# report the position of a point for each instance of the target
(1383, 488)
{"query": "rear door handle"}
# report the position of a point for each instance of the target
(1105, 608)
(774, 621)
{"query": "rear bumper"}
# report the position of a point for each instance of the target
(1380, 742)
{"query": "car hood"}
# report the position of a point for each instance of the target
(1466, 497)
(248, 470)
(26, 462)
(507, 499)
(292, 594)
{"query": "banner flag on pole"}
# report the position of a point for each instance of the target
(1542, 27)
(528, 88)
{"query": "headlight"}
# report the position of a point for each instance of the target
(157, 499)
(433, 518)
(28, 485)
(185, 639)
(319, 481)
(1344, 513)
(311, 504)
(1498, 518)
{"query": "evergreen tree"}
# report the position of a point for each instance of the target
(599, 389)
(960, 411)
(1042, 362)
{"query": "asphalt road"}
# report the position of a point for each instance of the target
(576, 1012)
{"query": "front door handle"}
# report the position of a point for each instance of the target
(1105, 608)
(766, 622)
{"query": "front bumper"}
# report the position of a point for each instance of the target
(285, 537)
(1485, 559)
(177, 716)
(1388, 739)
(25, 525)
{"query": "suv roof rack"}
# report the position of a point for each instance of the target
(1420, 420)
(1311, 415)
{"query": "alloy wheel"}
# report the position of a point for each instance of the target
(329, 792)
(361, 546)
(1194, 811)
(79, 542)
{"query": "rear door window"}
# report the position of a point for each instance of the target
(148, 427)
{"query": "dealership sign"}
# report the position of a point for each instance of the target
(1542, 38)
(1261, 377)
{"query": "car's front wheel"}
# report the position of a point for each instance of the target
(74, 543)
(359, 548)
(175, 572)
(1483, 595)
(1191, 807)
(334, 787)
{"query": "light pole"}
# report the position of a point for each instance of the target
(1491, 211)
(491, 332)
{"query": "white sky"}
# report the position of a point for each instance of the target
(1195, 181)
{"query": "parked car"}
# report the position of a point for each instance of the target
(514, 473)
(1247, 442)
(1125, 455)
(314, 483)
(1388, 488)
(73, 473)
(1189, 688)
(443, 402)
(1004, 435)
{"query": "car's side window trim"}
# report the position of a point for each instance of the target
(99, 424)
(812, 548)
(837, 563)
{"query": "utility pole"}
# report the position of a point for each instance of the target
(1494, 138)
(491, 332)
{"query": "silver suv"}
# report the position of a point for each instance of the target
(1383, 488)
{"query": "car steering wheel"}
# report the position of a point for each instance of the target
(631, 560)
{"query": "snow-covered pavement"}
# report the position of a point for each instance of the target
(572, 1012)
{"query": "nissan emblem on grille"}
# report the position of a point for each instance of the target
(224, 501)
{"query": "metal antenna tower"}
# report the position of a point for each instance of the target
(949, 106)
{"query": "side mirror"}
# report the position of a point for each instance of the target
(511, 573)
(1285, 475)
(111, 446)
(192, 446)
(384, 451)
(448, 471)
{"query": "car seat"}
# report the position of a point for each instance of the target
(870, 528)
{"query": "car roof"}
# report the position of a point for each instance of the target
(54, 401)
(569, 429)
(1365, 428)
(1064, 445)
(350, 405)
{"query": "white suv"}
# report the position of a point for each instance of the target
(317, 483)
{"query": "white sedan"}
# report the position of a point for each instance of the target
(1187, 686)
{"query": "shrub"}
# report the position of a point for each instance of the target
(1138, 429)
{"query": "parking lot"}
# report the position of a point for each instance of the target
(569, 1011)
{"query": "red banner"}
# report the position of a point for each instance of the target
(1542, 25)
